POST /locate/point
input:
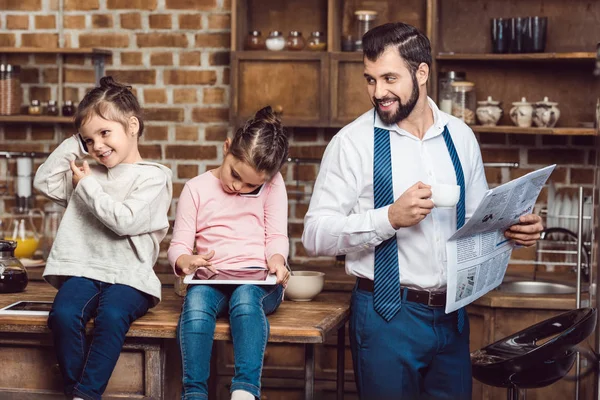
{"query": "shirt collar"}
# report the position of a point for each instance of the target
(440, 120)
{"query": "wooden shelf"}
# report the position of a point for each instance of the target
(35, 119)
(278, 55)
(534, 131)
(576, 56)
(43, 50)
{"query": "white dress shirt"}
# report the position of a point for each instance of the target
(341, 218)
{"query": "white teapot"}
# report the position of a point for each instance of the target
(521, 113)
(546, 113)
(488, 112)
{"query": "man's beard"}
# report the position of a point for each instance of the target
(403, 110)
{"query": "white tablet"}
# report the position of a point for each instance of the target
(27, 308)
(192, 279)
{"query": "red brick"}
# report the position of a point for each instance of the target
(190, 58)
(306, 134)
(184, 132)
(227, 5)
(7, 40)
(160, 21)
(216, 40)
(155, 96)
(216, 133)
(301, 210)
(30, 75)
(500, 155)
(493, 175)
(522, 140)
(79, 75)
(164, 114)
(103, 40)
(219, 21)
(161, 58)
(102, 21)
(226, 76)
(492, 138)
(191, 152)
(307, 151)
(210, 114)
(156, 132)
(187, 95)
(45, 22)
(71, 93)
(131, 21)
(21, 5)
(131, 58)
(139, 76)
(187, 171)
(41, 59)
(191, 4)
(179, 77)
(131, 5)
(177, 188)
(17, 22)
(162, 40)
(554, 140)
(47, 40)
(219, 58)
(40, 93)
(586, 141)
(74, 21)
(582, 176)
(86, 5)
(213, 95)
(555, 156)
(190, 21)
(150, 151)
(304, 172)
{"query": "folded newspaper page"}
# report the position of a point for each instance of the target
(478, 253)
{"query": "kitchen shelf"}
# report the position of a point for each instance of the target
(575, 56)
(43, 50)
(34, 119)
(534, 131)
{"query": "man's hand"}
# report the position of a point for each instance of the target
(527, 231)
(411, 207)
(188, 264)
(276, 265)
(79, 172)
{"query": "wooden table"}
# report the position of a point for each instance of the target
(294, 322)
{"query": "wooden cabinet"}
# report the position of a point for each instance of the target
(328, 89)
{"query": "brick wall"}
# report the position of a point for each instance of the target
(175, 54)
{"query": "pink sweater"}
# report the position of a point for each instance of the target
(243, 231)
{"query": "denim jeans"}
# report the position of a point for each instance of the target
(248, 306)
(418, 354)
(86, 366)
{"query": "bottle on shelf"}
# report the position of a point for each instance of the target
(68, 109)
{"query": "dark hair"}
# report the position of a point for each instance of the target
(413, 46)
(261, 143)
(110, 100)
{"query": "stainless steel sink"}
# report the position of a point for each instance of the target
(537, 287)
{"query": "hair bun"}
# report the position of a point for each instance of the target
(107, 82)
(267, 116)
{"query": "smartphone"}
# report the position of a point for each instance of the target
(255, 193)
(82, 143)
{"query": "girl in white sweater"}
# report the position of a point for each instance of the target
(108, 241)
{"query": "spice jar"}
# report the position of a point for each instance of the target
(255, 41)
(275, 41)
(52, 108)
(68, 109)
(445, 89)
(365, 20)
(316, 42)
(10, 89)
(34, 108)
(464, 102)
(295, 41)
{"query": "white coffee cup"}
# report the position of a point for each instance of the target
(445, 195)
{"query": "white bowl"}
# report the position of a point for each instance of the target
(304, 285)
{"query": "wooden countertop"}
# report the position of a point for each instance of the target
(293, 322)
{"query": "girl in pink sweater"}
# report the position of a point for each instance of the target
(236, 217)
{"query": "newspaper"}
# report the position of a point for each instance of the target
(478, 253)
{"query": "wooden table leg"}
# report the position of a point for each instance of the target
(309, 371)
(341, 353)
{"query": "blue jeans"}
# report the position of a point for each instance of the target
(419, 354)
(86, 366)
(248, 306)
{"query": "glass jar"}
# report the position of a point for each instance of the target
(52, 108)
(275, 41)
(35, 108)
(317, 42)
(255, 41)
(295, 41)
(23, 228)
(445, 91)
(13, 276)
(10, 89)
(365, 20)
(464, 103)
(68, 109)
